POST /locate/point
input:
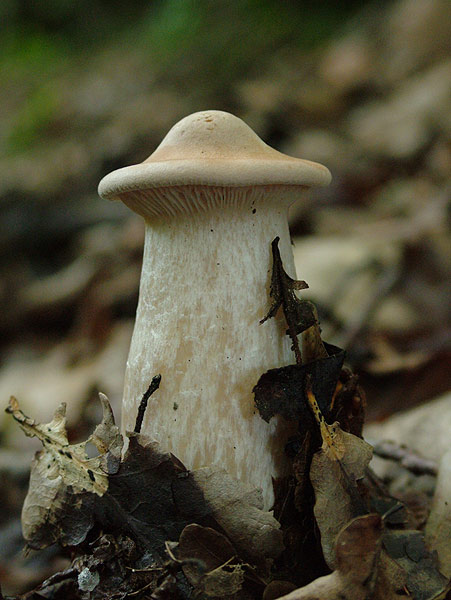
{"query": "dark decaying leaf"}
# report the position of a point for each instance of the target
(204, 544)
(222, 574)
(282, 391)
(139, 501)
(408, 550)
(299, 314)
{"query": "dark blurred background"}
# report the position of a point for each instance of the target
(87, 87)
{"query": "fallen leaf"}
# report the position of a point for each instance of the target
(70, 461)
(149, 496)
(203, 544)
(254, 532)
(224, 582)
(408, 550)
(154, 497)
(64, 481)
(52, 512)
(357, 552)
(282, 391)
(299, 314)
(334, 472)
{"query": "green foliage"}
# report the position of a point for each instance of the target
(217, 40)
(200, 47)
(33, 118)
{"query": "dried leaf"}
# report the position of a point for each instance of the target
(282, 391)
(149, 496)
(64, 481)
(140, 501)
(156, 499)
(357, 552)
(52, 512)
(299, 314)
(222, 575)
(203, 544)
(408, 550)
(224, 581)
(70, 461)
(333, 473)
(254, 532)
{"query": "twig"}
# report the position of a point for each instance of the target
(405, 457)
(154, 385)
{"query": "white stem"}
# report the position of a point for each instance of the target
(204, 287)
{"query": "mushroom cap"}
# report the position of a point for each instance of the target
(213, 148)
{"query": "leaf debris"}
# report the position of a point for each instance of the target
(299, 314)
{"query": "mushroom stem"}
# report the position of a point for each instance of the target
(204, 287)
(213, 196)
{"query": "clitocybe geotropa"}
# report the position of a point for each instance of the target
(213, 196)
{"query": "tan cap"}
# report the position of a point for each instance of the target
(213, 148)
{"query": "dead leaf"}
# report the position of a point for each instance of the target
(364, 570)
(224, 581)
(149, 496)
(299, 314)
(334, 473)
(282, 391)
(52, 512)
(408, 550)
(204, 544)
(211, 565)
(254, 532)
(70, 461)
(357, 551)
(64, 481)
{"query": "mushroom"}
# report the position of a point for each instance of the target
(213, 196)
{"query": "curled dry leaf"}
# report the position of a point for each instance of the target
(299, 314)
(211, 564)
(335, 469)
(224, 582)
(62, 470)
(70, 461)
